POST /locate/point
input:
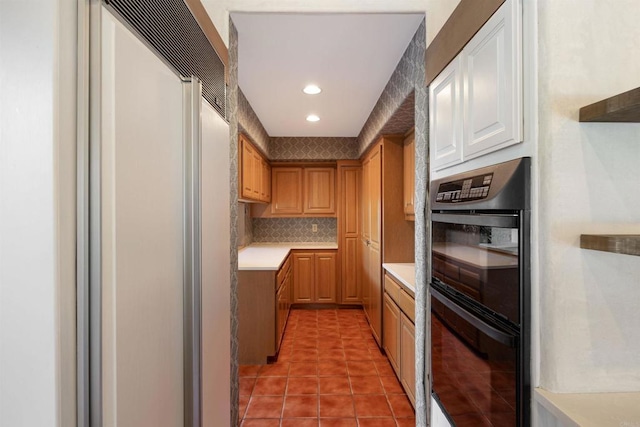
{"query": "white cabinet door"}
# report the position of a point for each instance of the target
(445, 116)
(492, 84)
(142, 247)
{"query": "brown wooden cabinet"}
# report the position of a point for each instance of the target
(303, 277)
(283, 299)
(386, 236)
(254, 183)
(300, 190)
(391, 337)
(408, 357)
(314, 276)
(320, 191)
(409, 174)
(265, 194)
(399, 334)
(286, 196)
(325, 277)
(349, 189)
(371, 220)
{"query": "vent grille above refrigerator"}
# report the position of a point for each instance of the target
(171, 29)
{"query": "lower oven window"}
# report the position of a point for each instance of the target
(480, 261)
(474, 377)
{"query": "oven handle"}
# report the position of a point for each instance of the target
(498, 335)
(504, 221)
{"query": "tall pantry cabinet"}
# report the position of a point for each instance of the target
(349, 229)
(386, 235)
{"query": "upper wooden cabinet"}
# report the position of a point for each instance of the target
(254, 180)
(286, 197)
(300, 190)
(265, 188)
(409, 174)
(476, 101)
(320, 191)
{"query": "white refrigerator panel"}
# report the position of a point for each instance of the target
(142, 234)
(216, 270)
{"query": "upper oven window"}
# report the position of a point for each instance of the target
(478, 256)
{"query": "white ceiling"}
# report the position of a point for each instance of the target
(350, 56)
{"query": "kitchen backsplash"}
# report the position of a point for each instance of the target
(294, 230)
(313, 148)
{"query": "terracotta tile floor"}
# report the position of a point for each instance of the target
(330, 372)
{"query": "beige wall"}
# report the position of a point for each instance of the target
(590, 322)
(37, 213)
(438, 11)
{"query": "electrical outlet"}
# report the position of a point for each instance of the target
(314, 228)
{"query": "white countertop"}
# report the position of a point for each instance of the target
(405, 273)
(270, 256)
(591, 409)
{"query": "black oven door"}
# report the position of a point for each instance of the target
(478, 255)
(474, 365)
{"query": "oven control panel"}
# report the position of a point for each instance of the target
(465, 190)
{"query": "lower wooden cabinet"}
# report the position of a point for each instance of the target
(314, 277)
(264, 301)
(283, 300)
(391, 326)
(408, 357)
(398, 334)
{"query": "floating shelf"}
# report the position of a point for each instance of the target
(628, 244)
(624, 107)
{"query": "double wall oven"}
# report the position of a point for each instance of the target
(480, 295)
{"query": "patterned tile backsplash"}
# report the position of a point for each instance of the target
(294, 230)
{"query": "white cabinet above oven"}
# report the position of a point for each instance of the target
(475, 104)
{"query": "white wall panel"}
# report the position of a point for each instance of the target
(589, 320)
(37, 221)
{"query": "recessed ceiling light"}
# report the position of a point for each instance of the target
(311, 90)
(312, 118)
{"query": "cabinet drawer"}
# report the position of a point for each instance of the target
(391, 288)
(407, 305)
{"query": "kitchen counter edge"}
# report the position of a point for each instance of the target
(405, 273)
(271, 256)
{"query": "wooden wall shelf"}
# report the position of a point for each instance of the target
(624, 107)
(628, 244)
